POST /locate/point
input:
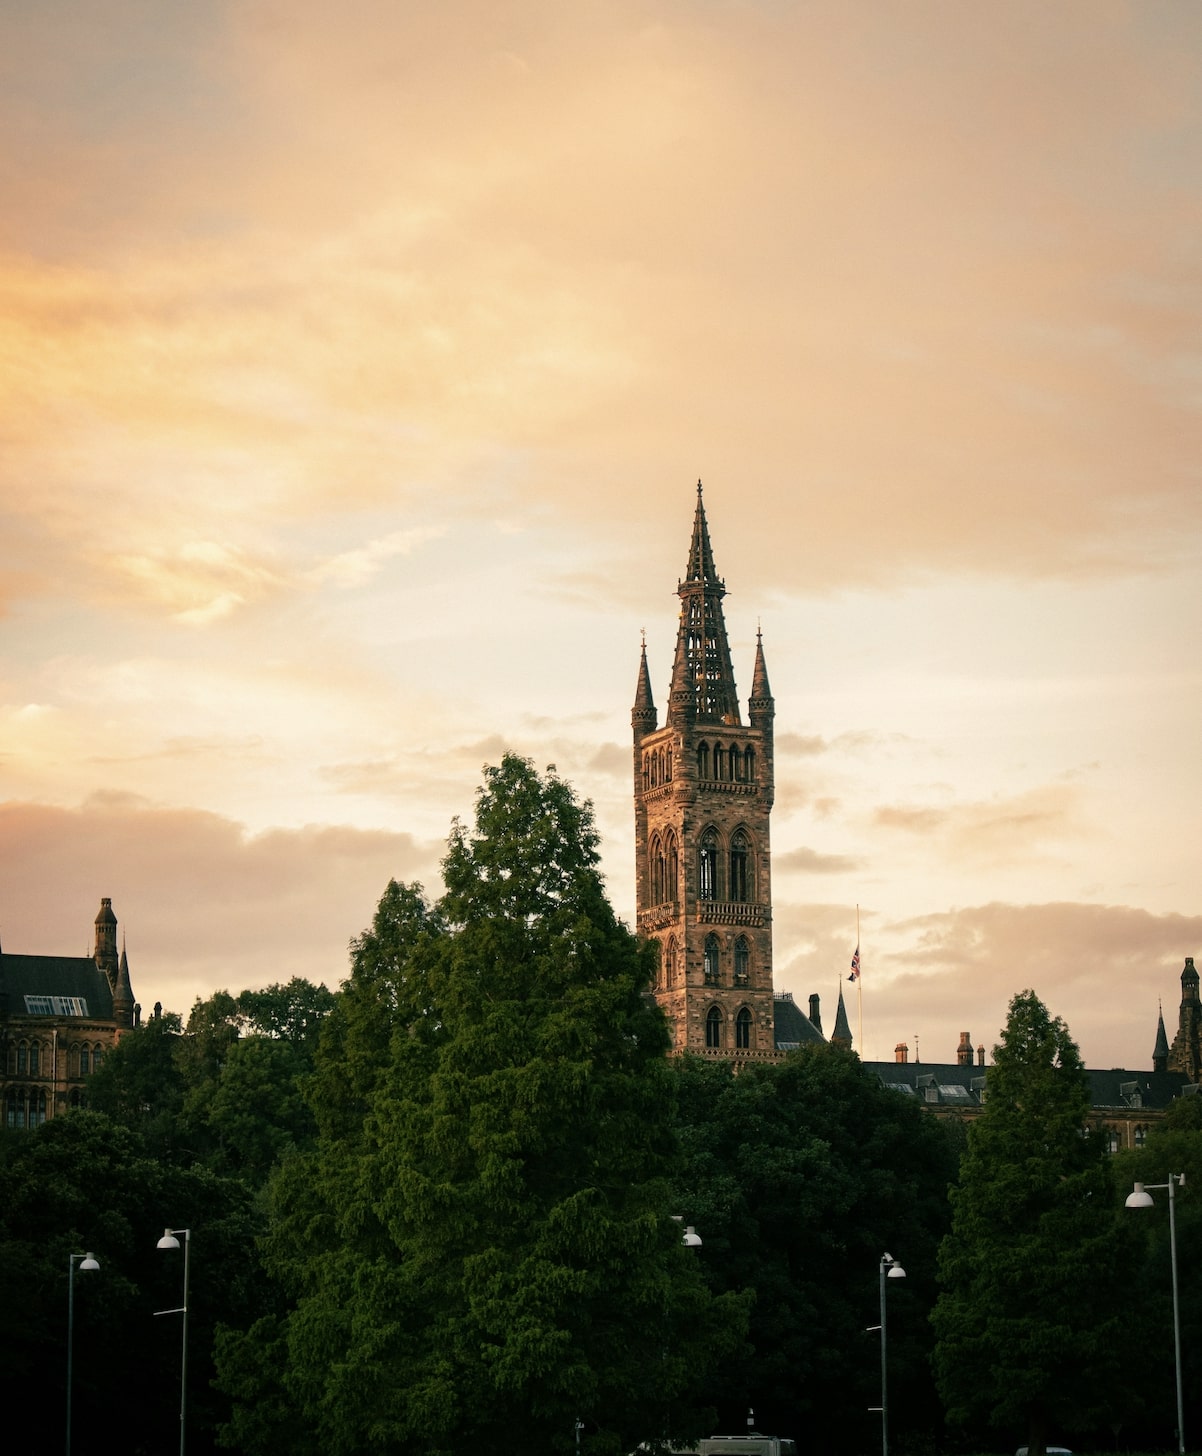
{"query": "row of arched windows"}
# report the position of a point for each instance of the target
(733, 879)
(728, 763)
(716, 1028)
(657, 767)
(33, 1058)
(712, 958)
(25, 1107)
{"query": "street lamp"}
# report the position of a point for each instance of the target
(169, 1241)
(1143, 1199)
(88, 1264)
(890, 1269)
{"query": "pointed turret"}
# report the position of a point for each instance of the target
(123, 994)
(642, 715)
(1160, 1052)
(703, 682)
(841, 1036)
(760, 708)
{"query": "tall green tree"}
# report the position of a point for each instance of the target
(480, 1251)
(1035, 1274)
(799, 1175)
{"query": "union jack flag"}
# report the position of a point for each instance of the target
(855, 966)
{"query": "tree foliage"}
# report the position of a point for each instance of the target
(1035, 1273)
(800, 1175)
(480, 1250)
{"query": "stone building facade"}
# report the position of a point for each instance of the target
(703, 790)
(59, 1016)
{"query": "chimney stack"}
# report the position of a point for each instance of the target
(901, 1052)
(964, 1050)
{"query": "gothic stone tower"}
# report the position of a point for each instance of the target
(703, 786)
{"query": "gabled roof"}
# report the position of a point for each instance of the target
(792, 1026)
(76, 977)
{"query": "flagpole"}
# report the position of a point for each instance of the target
(860, 987)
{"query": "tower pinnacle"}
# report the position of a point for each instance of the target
(703, 682)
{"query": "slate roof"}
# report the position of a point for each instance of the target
(41, 975)
(792, 1027)
(951, 1085)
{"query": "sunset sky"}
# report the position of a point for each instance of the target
(358, 365)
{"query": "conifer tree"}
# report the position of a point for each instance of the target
(481, 1251)
(1035, 1271)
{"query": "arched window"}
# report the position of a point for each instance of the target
(743, 1029)
(703, 760)
(37, 1107)
(34, 1058)
(1111, 1140)
(652, 780)
(671, 867)
(97, 1053)
(22, 1058)
(740, 877)
(671, 955)
(719, 761)
(749, 764)
(656, 867)
(708, 882)
(736, 763)
(84, 1062)
(1141, 1135)
(711, 960)
(713, 1028)
(742, 961)
(668, 766)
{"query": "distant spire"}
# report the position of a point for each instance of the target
(841, 1036)
(703, 682)
(1160, 1052)
(643, 716)
(123, 993)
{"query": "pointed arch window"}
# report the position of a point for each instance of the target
(34, 1057)
(703, 760)
(719, 761)
(711, 960)
(655, 857)
(671, 957)
(743, 1029)
(742, 961)
(713, 1027)
(646, 771)
(708, 880)
(671, 867)
(749, 764)
(22, 1058)
(668, 766)
(97, 1054)
(740, 871)
(85, 1061)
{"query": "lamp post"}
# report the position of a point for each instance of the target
(88, 1264)
(890, 1269)
(170, 1241)
(1140, 1198)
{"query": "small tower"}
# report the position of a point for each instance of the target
(106, 942)
(1160, 1052)
(703, 789)
(841, 1036)
(1185, 1055)
(123, 995)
